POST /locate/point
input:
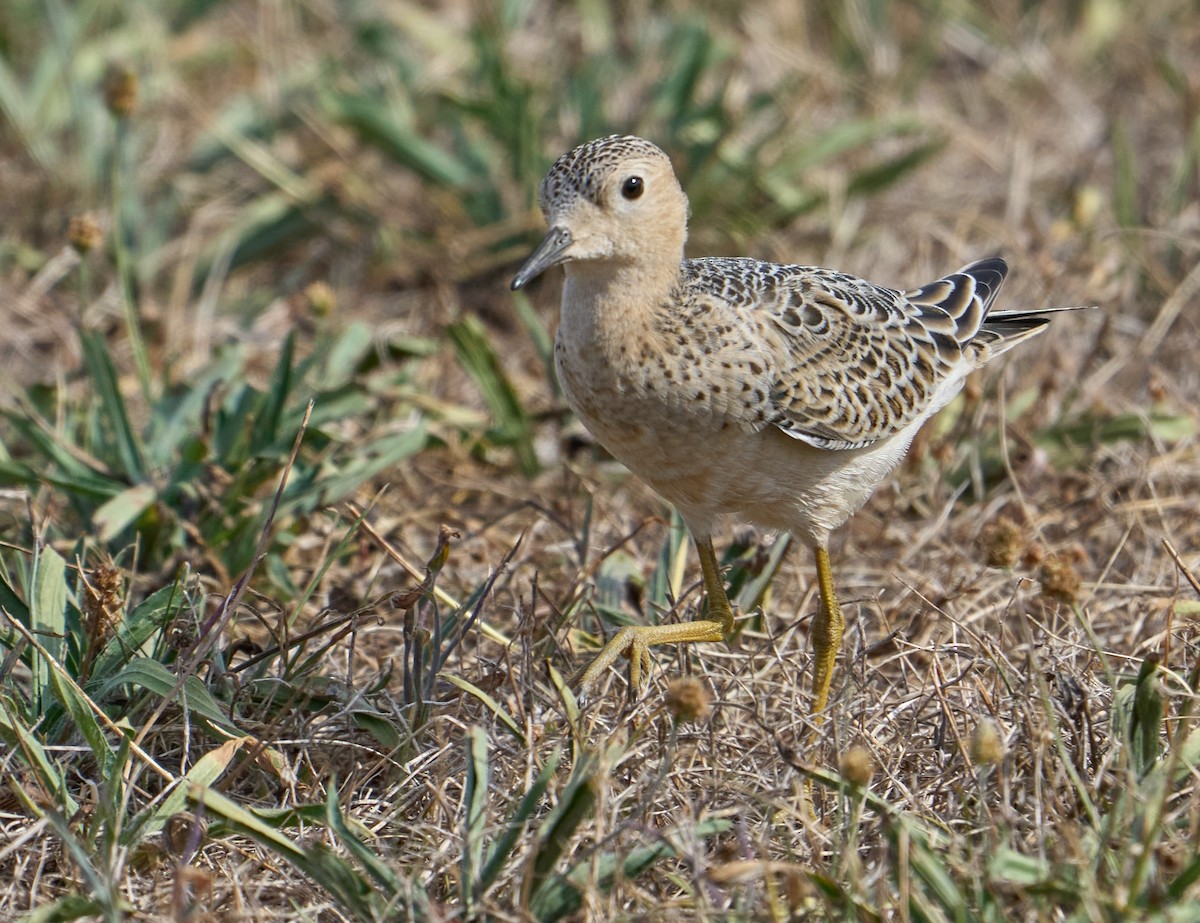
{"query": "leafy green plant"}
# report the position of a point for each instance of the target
(511, 424)
(201, 468)
(547, 894)
(1071, 441)
(431, 636)
(84, 660)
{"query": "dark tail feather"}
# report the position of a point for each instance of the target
(1002, 330)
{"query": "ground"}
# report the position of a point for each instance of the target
(245, 684)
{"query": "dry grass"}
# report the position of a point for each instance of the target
(993, 708)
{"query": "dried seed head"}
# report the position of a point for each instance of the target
(1156, 384)
(120, 90)
(101, 604)
(857, 766)
(1002, 541)
(1059, 577)
(182, 632)
(987, 745)
(688, 700)
(84, 233)
(322, 301)
(1033, 555)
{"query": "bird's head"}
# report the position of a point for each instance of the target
(614, 200)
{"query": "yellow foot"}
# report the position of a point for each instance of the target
(635, 642)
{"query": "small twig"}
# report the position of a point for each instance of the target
(1183, 568)
(343, 624)
(229, 604)
(439, 594)
(417, 573)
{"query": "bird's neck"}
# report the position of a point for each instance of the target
(609, 301)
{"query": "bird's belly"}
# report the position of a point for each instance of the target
(708, 464)
(783, 483)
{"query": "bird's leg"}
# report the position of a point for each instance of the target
(826, 632)
(635, 642)
(719, 609)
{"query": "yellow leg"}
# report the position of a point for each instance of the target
(635, 642)
(826, 632)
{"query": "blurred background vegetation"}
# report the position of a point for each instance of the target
(214, 213)
(362, 176)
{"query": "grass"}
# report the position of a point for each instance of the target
(298, 540)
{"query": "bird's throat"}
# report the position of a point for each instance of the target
(607, 306)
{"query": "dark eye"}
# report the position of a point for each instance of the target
(633, 187)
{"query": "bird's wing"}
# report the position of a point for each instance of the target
(852, 362)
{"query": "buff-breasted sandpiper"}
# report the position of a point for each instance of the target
(780, 394)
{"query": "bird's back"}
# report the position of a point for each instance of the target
(848, 362)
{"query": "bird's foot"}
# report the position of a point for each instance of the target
(635, 642)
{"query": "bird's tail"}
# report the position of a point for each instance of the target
(967, 297)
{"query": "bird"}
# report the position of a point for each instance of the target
(778, 394)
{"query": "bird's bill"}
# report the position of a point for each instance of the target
(550, 252)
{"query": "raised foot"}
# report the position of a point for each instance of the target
(635, 641)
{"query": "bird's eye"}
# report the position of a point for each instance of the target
(633, 187)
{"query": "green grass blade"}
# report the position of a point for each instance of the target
(205, 771)
(146, 620)
(349, 352)
(19, 738)
(477, 356)
(573, 808)
(490, 703)
(566, 695)
(1184, 177)
(382, 874)
(693, 54)
(84, 719)
(881, 175)
(271, 223)
(113, 908)
(71, 907)
(375, 123)
(279, 389)
(563, 894)
(126, 447)
(115, 515)
(1126, 199)
(157, 679)
(932, 872)
(616, 573)
(350, 888)
(475, 822)
(11, 602)
(498, 853)
(366, 463)
(543, 342)
(1145, 731)
(60, 466)
(748, 587)
(666, 581)
(47, 621)
(1017, 869)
